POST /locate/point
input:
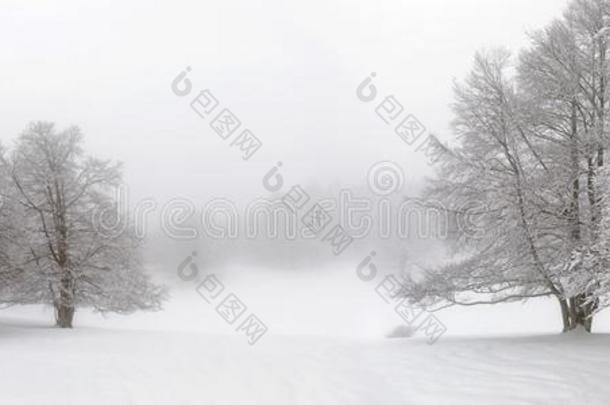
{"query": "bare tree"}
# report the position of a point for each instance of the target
(12, 235)
(490, 183)
(71, 262)
(531, 152)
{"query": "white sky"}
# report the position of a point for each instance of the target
(287, 69)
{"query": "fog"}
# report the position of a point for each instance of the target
(285, 229)
(288, 70)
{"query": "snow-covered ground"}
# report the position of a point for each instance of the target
(113, 366)
(189, 355)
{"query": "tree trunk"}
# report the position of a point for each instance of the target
(579, 314)
(565, 314)
(589, 324)
(64, 307)
(589, 311)
(573, 313)
(64, 315)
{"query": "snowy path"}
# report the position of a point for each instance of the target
(101, 366)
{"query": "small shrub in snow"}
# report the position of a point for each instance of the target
(401, 331)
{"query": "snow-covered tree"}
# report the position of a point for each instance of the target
(553, 78)
(12, 235)
(70, 262)
(528, 175)
(490, 183)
